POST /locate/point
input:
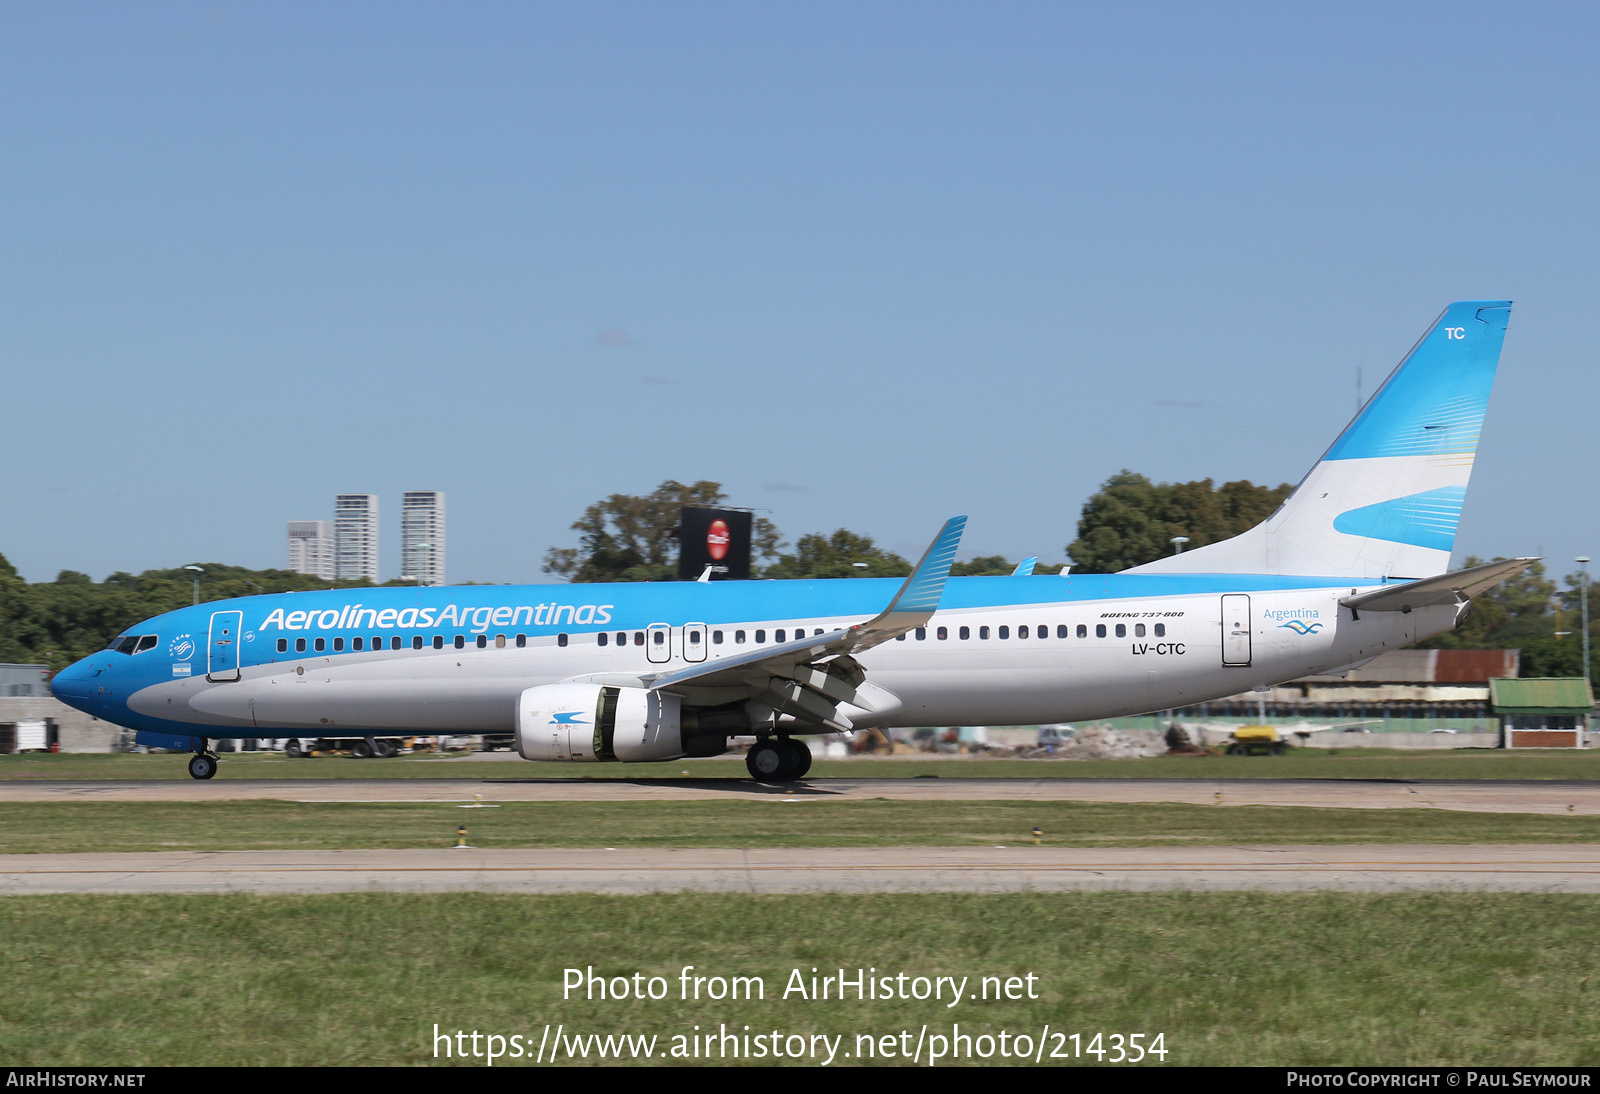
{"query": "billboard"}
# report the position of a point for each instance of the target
(719, 538)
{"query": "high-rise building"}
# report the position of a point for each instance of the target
(311, 548)
(356, 530)
(422, 536)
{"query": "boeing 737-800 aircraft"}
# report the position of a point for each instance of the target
(1352, 564)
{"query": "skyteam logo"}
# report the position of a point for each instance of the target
(1301, 627)
(181, 648)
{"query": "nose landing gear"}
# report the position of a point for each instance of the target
(202, 765)
(778, 760)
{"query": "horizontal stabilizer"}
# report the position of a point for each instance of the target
(1452, 588)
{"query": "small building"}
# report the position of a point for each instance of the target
(1542, 713)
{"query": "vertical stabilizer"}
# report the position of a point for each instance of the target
(1385, 500)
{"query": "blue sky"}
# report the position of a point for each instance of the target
(867, 265)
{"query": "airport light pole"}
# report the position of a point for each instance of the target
(198, 570)
(1583, 598)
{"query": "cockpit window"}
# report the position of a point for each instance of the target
(133, 643)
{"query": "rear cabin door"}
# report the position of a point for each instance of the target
(222, 661)
(1236, 629)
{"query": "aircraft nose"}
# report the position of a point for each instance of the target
(76, 684)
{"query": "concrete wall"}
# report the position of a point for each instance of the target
(75, 730)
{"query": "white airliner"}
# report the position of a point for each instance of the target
(1354, 563)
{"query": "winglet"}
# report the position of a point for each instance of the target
(1025, 567)
(922, 590)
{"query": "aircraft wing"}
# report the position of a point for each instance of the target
(1452, 588)
(810, 678)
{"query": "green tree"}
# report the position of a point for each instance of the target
(983, 566)
(843, 554)
(1131, 521)
(628, 538)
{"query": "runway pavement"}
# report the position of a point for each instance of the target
(1507, 796)
(1531, 868)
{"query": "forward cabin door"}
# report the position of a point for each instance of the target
(222, 660)
(1236, 629)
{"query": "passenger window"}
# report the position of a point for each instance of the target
(1083, 631)
(622, 638)
(1022, 631)
(522, 641)
(500, 642)
(761, 636)
(438, 641)
(1005, 632)
(1138, 630)
(638, 638)
(602, 640)
(357, 644)
(965, 633)
(338, 645)
(899, 638)
(983, 633)
(1061, 630)
(658, 637)
(1099, 630)
(377, 641)
(922, 634)
(716, 638)
(1122, 630)
(694, 638)
(320, 644)
(483, 641)
(461, 641)
(299, 645)
(394, 643)
(283, 645)
(943, 633)
(561, 640)
(738, 638)
(1161, 630)
(416, 641)
(777, 635)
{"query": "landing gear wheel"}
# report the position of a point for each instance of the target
(800, 758)
(202, 766)
(362, 749)
(294, 748)
(383, 749)
(769, 761)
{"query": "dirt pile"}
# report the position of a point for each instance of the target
(1101, 743)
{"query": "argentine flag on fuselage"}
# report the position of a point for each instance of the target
(1385, 500)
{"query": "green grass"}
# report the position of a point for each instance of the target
(61, 827)
(1308, 763)
(1226, 978)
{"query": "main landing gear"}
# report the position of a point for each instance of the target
(778, 760)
